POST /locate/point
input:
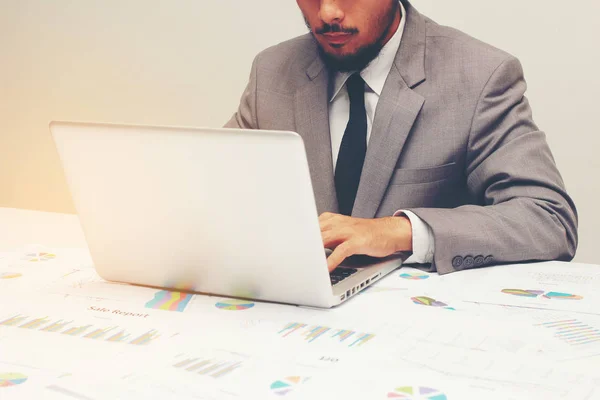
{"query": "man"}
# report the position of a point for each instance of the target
(419, 139)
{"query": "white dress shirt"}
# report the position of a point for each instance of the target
(375, 75)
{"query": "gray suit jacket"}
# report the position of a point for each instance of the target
(453, 141)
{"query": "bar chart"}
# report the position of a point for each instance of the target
(311, 334)
(212, 367)
(573, 332)
(86, 331)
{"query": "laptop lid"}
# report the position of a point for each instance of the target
(222, 211)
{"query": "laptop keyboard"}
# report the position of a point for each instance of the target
(339, 274)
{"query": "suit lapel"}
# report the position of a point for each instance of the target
(397, 110)
(312, 123)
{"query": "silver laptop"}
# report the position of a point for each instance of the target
(217, 211)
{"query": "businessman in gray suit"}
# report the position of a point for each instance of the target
(419, 139)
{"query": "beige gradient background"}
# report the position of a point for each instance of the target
(185, 62)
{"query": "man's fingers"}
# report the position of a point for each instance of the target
(340, 253)
(331, 240)
(337, 232)
(326, 216)
(326, 221)
(326, 226)
(333, 237)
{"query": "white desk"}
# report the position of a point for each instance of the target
(512, 332)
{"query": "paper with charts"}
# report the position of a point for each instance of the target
(513, 333)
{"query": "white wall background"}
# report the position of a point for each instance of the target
(186, 62)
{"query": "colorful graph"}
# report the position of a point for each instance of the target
(8, 379)
(358, 340)
(145, 338)
(562, 296)
(523, 293)
(212, 368)
(99, 333)
(315, 332)
(35, 323)
(39, 256)
(414, 276)
(234, 305)
(416, 393)
(76, 330)
(428, 301)
(87, 331)
(169, 301)
(287, 385)
(10, 275)
(291, 328)
(573, 332)
(547, 295)
(13, 321)
(312, 333)
(56, 326)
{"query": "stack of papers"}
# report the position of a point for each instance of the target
(512, 332)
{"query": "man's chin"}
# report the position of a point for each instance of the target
(345, 61)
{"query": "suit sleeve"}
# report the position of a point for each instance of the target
(523, 211)
(245, 117)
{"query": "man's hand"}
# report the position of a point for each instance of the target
(348, 236)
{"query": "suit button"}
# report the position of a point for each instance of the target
(479, 261)
(469, 261)
(457, 262)
(489, 259)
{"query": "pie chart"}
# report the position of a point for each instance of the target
(11, 379)
(9, 275)
(287, 385)
(416, 393)
(562, 296)
(428, 301)
(523, 292)
(234, 305)
(414, 276)
(547, 295)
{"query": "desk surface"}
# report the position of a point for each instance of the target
(511, 332)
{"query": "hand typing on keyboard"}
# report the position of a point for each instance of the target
(379, 237)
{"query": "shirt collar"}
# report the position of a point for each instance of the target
(375, 74)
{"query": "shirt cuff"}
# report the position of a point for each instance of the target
(422, 239)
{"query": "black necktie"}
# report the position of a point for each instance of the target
(354, 147)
